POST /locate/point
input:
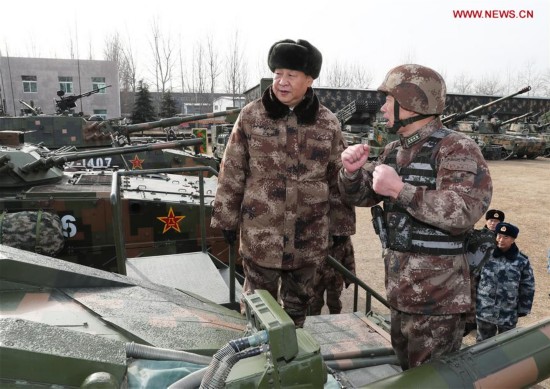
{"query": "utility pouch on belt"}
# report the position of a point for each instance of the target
(379, 225)
(399, 231)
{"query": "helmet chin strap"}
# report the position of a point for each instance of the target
(398, 123)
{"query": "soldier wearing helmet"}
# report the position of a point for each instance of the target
(434, 185)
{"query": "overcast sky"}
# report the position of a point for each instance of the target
(377, 34)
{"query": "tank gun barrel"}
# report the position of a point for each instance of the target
(515, 119)
(459, 116)
(127, 129)
(60, 160)
(32, 109)
(502, 360)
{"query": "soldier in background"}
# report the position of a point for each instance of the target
(506, 286)
(330, 280)
(278, 182)
(435, 185)
(492, 218)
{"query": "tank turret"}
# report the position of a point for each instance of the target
(454, 117)
(57, 131)
(28, 165)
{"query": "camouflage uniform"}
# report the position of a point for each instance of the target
(505, 291)
(331, 280)
(423, 284)
(277, 175)
(35, 231)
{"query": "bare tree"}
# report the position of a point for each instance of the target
(530, 76)
(462, 83)
(213, 65)
(489, 85)
(236, 69)
(545, 87)
(347, 76)
(199, 75)
(129, 68)
(115, 51)
(72, 49)
(162, 53)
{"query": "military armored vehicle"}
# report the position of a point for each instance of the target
(536, 133)
(486, 131)
(361, 123)
(357, 120)
(80, 327)
(73, 210)
(72, 133)
(64, 130)
(492, 135)
(220, 137)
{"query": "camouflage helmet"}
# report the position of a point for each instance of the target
(416, 88)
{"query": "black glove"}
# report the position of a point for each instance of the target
(230, 236)
(337, 240)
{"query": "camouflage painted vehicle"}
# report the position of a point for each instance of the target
(357, 119)
(539, 133)
(80, 327)
(487, 132)
(72, 133)
(492, 133)
(50, 204)
(220, 137)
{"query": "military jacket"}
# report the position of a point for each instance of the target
(420, 283)
(506, 288)
(278, 183)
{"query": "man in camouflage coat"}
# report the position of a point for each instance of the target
(435, 185)
(506, 286)
(278, 181)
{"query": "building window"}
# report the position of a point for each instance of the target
(98, 82)
(66, 84)
(101, 113)
(29, 84)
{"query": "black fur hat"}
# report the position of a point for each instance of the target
(300, 55)
(494, 214)
(507, 229)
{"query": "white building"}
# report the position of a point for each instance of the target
(224, 103)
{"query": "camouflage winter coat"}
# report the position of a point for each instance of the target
(506, 288)
(278, 183)
(421, 283)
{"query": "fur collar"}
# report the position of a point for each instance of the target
(511, 254)
(306, 111)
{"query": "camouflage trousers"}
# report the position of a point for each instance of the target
(293, 289)
(331, 281)
(486, 330)
(417, 339)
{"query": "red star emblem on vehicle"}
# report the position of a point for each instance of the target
(171, 221)
(136, 162)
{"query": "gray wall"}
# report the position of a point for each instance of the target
(47, 71)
